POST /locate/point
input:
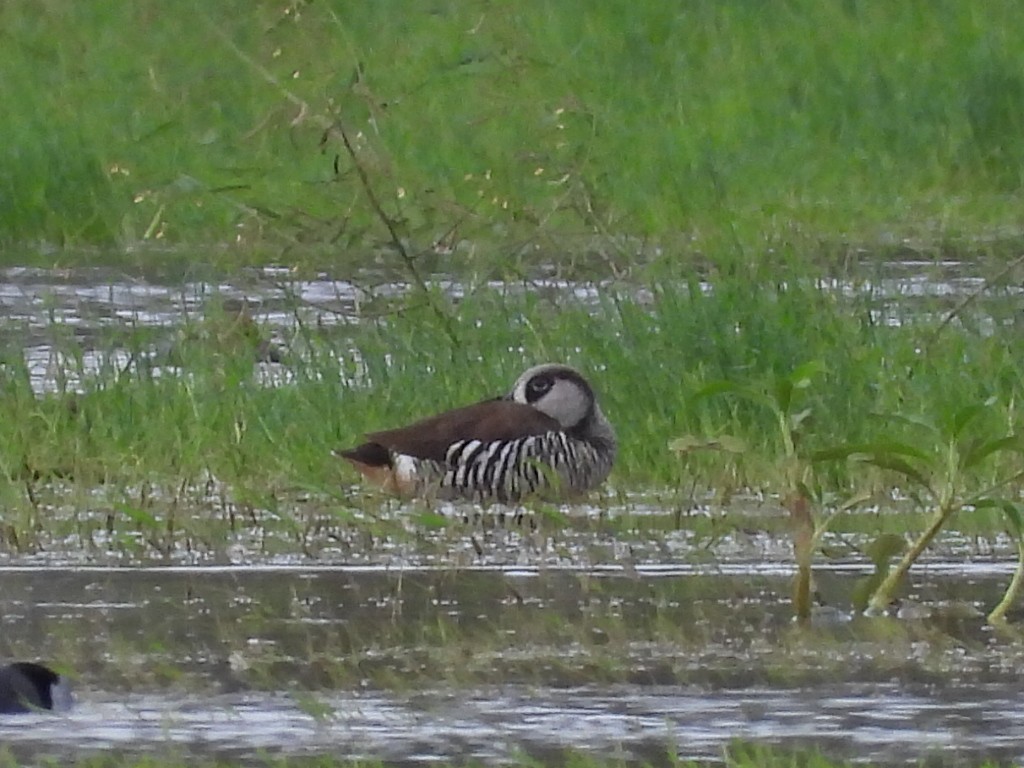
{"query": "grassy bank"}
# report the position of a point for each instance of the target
(550, 127)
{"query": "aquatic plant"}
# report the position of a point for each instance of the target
(937, 468)
(795, 481)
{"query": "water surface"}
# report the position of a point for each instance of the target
(414, 664)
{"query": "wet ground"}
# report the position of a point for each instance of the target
(483, 644)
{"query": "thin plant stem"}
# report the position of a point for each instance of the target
(998, 614)
(883, 596)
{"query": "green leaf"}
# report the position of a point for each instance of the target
(964, 416)
(884, 454)
(896, 464)
(1012, 514)
(978, 453)
(876, 448)
(1010, 510)
(884, 548)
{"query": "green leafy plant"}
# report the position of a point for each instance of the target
(938, 469)
(781, 398)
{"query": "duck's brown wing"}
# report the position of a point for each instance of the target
(430, 438)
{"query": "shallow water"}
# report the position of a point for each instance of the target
(486, 663)
(881, 723)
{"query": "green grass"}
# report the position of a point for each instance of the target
(544, 128)
(150, 438)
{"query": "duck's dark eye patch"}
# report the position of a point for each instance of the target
(537, 387)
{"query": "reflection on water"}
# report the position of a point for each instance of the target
(488, 663)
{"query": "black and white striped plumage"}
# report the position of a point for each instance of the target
(546, 437)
